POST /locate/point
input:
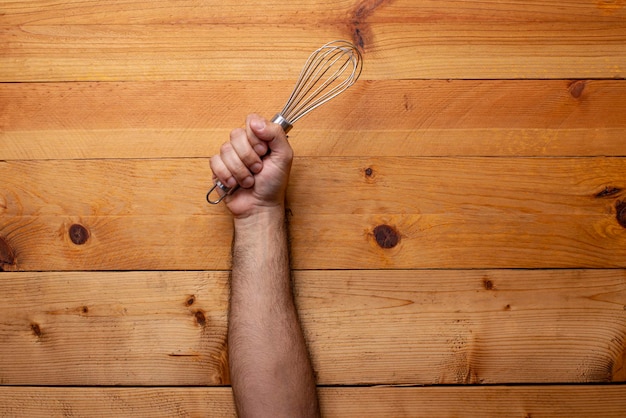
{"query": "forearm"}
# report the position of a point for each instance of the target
(270, 369)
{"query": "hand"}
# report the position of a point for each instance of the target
(262, 181)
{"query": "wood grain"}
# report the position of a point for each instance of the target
(132, 328)
(473, 186)
(363, 327)
(443, 212)
(398, 402)
(321, 241)
(392, 50)
(39, 12)
(378, 118)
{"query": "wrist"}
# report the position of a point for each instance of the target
(258, 214)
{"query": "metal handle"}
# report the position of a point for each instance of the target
(279, 119)
(226, 190)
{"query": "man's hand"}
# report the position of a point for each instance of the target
(263, 181)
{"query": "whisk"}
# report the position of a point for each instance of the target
(328, 72)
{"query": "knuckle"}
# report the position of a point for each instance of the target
(237, 133)
(213, 162)
(226, 148)
(241, 173)
(248, 155)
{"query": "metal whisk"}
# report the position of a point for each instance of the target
(328, 72)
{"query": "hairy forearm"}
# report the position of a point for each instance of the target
(270, 369)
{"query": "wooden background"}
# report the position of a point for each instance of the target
(458, 216)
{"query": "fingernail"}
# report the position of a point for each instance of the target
(256, 167)
(257, 124)
(231, 182)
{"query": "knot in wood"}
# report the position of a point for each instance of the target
(621, 213)
(36, 329)
(78, 234)
(576, 88)
(200, 318)
(7, 255)
(386, 236)
(369, 174)
(609, 191)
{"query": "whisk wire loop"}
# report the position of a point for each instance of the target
(328, 72)
(330, 61)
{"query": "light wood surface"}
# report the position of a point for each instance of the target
(445, 48)
(452, 212)
(488, 401)
(49, 41)
(458, 218)
(39, 12)
(363, 327)
(374, 119)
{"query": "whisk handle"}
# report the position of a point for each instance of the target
(226, 191)
(279, 119)
(284, 123)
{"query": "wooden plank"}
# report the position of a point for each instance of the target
(479, 402)
(47, 12)
(29, 402)
(473, 186)
(129, 328)
(524, 401)
(441, 213)
(253, 51)
(440, 241)
(470, 326)
(117, 242)
(320, 241)
(363, 327)
(377, 118)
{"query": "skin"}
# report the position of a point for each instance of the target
(270, 367)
